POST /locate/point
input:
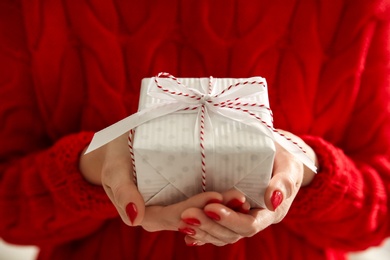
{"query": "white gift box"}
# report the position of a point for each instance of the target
(201, 134)
(167, 153)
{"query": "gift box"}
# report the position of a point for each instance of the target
(168, 155)
(192, 135)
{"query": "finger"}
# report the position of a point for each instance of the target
(196, 202)
(190, 241)
(233, 198)
(122, 191)
(286, 179)
(196, 224)
(308, 174)
(250, 224)
(201, 237)
(169, 217)
(236, 200)
(201, 200)
(118, 183)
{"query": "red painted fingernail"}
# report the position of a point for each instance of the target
(212, 215)
(234, 204)
(192, 244)
(132, 212)
(244, 211)
(213, 201)
(276, 199)
(192, 221)
(187, 231)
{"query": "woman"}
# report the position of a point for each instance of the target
(71, 68)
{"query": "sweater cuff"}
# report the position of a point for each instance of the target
(63, 178)
(328, 186)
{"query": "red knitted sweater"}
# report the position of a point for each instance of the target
(69, 68)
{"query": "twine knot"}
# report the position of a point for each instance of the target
(205, 99)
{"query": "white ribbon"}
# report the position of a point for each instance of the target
(235, 102)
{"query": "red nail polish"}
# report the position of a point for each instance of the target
(213, 201)
(132, 212)
(192, 221)
(276, 199)
(212, 215)
(187, 231)
(244, 211)
(192, 244)
(234, 204)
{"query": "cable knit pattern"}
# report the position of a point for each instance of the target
(69, 68)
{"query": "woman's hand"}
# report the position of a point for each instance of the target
(110, 166)
(220, 225)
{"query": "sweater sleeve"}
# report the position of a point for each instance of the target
(346, 207)
(47, 198)
(43, 196)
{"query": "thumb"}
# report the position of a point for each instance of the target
(285, 181)
(133, 203)
(117, 181)
(124, 194)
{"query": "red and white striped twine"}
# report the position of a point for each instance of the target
(167, 75)
(202, 149)
(201, 136)
(130, 144)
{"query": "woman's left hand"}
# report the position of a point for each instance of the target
(226, 223)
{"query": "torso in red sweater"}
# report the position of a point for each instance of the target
(68, 68)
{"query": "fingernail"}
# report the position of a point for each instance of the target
(192, 244)
(132, 212)
(234, 204)
(244, 211)
(187, 231)
(276, 199)
(213, 201)
(212, 215)
(192, 221)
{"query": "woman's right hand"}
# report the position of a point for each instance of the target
(110, 166)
